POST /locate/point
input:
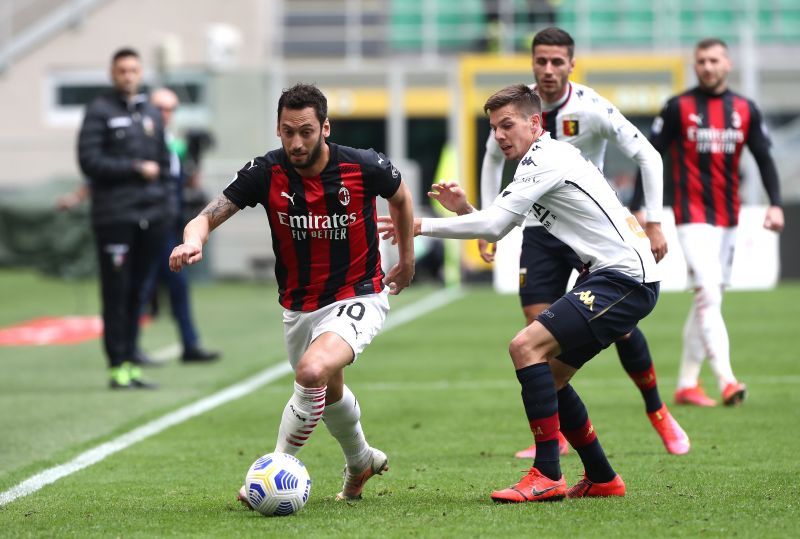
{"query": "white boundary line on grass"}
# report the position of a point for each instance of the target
(231, 393)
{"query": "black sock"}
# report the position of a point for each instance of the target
(635, 358)
(541, 407)
(578, 430)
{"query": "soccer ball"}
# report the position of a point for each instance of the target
(277, 484)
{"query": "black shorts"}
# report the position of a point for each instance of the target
(604, 306)
(545, 265)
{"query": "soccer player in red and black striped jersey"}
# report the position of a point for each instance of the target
(703, 132)
(320, 203)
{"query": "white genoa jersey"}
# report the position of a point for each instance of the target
(587, 121)
(566, 193)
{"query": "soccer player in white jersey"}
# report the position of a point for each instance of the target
(618, 287)
(576, 114)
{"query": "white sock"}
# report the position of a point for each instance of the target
(300, 416)
(715, 335)
(343, 420)
(693, 351)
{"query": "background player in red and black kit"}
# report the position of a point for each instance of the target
(703, 132)
(320, 203)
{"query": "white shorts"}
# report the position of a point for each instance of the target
(356, 320)
(708, 251)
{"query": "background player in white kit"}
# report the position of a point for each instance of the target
(576, 114)
(618, 288)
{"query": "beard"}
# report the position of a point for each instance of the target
(313, 155)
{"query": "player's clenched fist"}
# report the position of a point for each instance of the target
(185, 254)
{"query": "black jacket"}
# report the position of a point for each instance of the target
(114, 137)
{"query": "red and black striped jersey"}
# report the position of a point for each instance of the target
(704, 135)
(324, 228)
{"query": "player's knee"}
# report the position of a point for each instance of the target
(310, 372)
(708, 296)
(523, 351)
(517, 346)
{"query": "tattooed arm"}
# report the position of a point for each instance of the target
(196, 233)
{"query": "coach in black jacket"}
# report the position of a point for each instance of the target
(123, 152)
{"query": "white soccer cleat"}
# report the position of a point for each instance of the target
(242, 498)
(354, 481)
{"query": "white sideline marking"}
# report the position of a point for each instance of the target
(236, 391)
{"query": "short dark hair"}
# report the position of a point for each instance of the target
(301, 96)
(523, 97)
(709, 42)
(124, 52)
(554, 36)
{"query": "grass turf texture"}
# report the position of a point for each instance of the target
(438, 395)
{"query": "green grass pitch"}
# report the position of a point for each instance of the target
(438, 395)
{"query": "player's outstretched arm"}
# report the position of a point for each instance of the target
(402, 217)
(196, 233)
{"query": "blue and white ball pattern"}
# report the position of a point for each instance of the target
(277, 484)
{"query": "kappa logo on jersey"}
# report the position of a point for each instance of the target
(587, 298)
(570, 128)
(344, 196)
(528, 161)
(284, 194)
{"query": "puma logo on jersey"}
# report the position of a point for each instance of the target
(696, 118)
(380, 160)
(587, 298)
(252, 164)
(286, 195)
(355, 329)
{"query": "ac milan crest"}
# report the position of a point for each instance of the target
(344, 196)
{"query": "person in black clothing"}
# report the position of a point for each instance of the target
(123, 153)
(167, 102)
(702, 132)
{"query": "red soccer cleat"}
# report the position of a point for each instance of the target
(589, 489)
(534, 487)
(674, 437)
(694, 396)
(734, 394)
(530, 452)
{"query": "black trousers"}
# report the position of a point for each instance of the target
(126, 253)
